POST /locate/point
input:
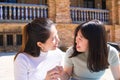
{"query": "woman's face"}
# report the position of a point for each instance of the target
(81, 42)
(52, 42)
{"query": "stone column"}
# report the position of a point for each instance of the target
(51, 9)
(62, 11)
(111, 6)
(119, 12)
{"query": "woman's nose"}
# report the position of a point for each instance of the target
(76, 40)
(57, 39)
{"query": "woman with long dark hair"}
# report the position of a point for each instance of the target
(90, 55)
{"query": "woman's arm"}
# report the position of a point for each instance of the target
(20, 69)
(66, 73)
(59, 72)
(54, 73)
(116, 72)
(114, 61)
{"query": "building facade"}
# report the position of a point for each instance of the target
(67, 14)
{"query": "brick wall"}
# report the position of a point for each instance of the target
(114, 7)
(62, 14)
(66, 32)
(59, 12)
(118, 12)
(10, 29)
(51, 10)
(11, 26)
(117, 33)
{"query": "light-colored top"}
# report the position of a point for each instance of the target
(79, 64)
(30, 68)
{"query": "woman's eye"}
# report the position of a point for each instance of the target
(81, 39)
(53, 38)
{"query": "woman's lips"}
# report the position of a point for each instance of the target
(77, 46)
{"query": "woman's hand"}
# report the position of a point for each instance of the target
(55, 73)
(116, 72)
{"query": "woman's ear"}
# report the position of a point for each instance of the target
(39, 44)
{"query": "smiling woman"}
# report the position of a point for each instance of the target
(39, 52)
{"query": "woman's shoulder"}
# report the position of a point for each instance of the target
(113, 56)
(112, 49)
(22, 61)
(22, 56)
(69, 51)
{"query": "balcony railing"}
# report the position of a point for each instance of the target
(25, 12)
(21, 12)
(79, 15)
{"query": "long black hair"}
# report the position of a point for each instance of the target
(36, 31)
(94, 32)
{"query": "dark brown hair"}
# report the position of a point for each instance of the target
(94, 32)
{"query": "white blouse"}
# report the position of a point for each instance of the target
(35, 68)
